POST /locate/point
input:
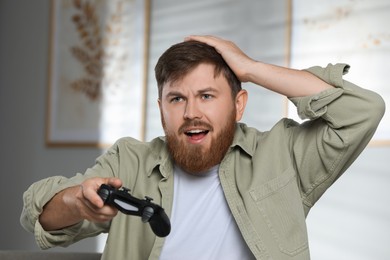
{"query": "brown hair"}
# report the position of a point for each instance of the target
(182, 58)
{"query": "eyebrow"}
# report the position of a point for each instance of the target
(173, 94)
(199, 92)
(209, 89)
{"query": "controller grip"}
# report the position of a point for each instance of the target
(160, 223)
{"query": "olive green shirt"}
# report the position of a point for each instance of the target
(270, 179)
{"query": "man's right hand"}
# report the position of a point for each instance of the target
(74, 204)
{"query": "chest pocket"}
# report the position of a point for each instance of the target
(280, 205)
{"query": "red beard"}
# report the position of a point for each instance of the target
(195, 158)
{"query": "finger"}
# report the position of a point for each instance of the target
(114, 182)
(90, 212)
(90, 187)
(219, 44)
(204, 37)
(90, 194)
(193, 37)
(208, 39)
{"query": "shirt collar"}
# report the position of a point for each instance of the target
(162, 159)
(244, 138)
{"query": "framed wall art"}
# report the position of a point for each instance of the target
(97, 71)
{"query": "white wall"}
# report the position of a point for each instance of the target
(351, 221)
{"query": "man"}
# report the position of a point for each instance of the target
(231, 191)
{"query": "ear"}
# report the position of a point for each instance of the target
(159, 104)
(240, 102)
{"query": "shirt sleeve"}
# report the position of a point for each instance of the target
(34, 199)
(342, 120)
(40, 192)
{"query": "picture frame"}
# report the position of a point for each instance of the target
(325, 32)
(97, 71)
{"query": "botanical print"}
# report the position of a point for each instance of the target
(97, 75)
(96, 50)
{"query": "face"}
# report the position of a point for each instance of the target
(198, 115)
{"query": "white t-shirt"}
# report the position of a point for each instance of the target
(202, 226)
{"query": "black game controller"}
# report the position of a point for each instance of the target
(128, 204)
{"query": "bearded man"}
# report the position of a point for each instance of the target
(230, 190)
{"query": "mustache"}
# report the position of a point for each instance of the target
(194, 123)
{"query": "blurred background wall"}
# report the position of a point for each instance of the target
(351, 221)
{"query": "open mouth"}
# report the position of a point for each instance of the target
(196, 134)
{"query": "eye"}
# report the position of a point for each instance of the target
(207, 96)
(176, 99)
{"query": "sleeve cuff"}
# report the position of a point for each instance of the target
(312, 107)
(49, 239)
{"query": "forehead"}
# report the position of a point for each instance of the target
(200, 77)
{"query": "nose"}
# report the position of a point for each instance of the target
(192, 110)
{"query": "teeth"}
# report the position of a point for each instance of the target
(195, 131)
